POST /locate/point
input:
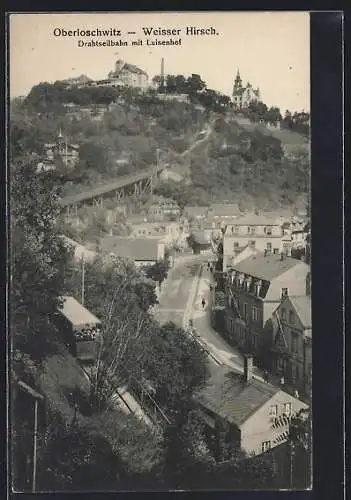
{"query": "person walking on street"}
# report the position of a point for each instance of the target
(203, 302)
(266, 376)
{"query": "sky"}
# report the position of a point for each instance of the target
(271, 50)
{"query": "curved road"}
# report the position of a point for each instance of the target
(181, 298)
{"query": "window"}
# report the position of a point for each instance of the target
(294, 343)
(294, 373)
(268, 231)
(283, 313)
(254, 313)
(266, 445)
(252, 230)
(269, 247)
(236, 229)
(291, 317)
(245, 309)
(252, 243)
(284, 292)
(287, 409)
(275, 251)
(236, 245)
(273, 411)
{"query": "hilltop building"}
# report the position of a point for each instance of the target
(243, 95)
(129, 75)
(78, 81)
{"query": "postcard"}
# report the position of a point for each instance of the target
(160, 284)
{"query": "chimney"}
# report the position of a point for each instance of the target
(248, 366)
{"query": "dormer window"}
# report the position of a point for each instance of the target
(248, 283)
(258, 287)
(284, 293)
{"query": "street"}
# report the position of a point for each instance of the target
(181, 300)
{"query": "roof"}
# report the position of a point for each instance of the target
(129, 67)
(132, 248)
(302, 306)
(230, 397)
(257, 220)
(76, 313)
(226, 209)
(196, 211)
(267, 267)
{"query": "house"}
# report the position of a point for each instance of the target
(299, 231)
(253, 415)
(128, 75)
(143, 251)
(195, 212)
(224, 210)
(258, 231)
(174, 97)
(62, 150)
(292, 342)
(78, 81)
(162, 208)
(254, 288)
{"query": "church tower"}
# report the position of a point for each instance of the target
(238, 91)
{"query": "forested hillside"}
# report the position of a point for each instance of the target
(121, 132)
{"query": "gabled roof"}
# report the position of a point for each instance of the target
(228, 395)
(195, 211)
(76, 313)
(138, 249)
(302, 306)
(267, 267)
(258, 220)
(224, 209)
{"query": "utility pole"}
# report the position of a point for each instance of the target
(292, 454)
(83, 280)
(28, 390)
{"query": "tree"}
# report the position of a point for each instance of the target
(158, 271)
(195, 85)
(94, 156)
(186, 452)
(176, 365)
(38, 257)
(74, 456)
(273, 115)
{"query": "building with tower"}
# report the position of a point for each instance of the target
(128, 75)
(243, 95)
(61, 150)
